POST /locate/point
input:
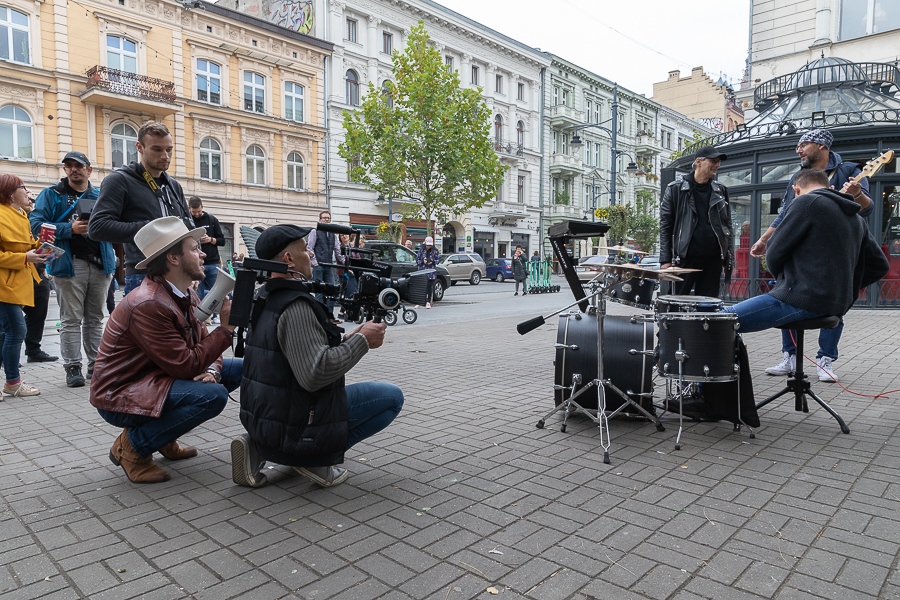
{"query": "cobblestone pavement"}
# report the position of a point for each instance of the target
(462, 493)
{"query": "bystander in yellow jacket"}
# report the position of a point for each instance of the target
(16, 274)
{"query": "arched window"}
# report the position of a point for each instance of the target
(498, 129)
(14, 42)
(123, 141)
(121, 54)
(15, 133)
(295, 171)
(352, 88)
(520, 133)
(256, 166)
(387, 89)
(210, 160)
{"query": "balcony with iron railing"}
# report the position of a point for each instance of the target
(123, 89)
(508, 147)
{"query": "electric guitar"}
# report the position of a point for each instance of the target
(873, 166)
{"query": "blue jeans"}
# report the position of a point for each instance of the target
(188, 404)
(325, 274)
(371, 406)
(132, 282)
(12, 320)
(828, 341)
(765, 312)
(210, 280)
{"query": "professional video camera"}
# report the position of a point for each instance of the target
(376, 292)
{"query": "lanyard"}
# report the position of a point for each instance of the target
(162, 197)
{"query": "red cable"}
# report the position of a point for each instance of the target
(833, 378)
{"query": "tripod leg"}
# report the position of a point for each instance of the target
(824, 405)
(774, 397)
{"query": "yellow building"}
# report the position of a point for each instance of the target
(242, 97)
(699, 97)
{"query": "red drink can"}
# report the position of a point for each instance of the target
(48, 232)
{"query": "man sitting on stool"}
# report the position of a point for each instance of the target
(159, 373)
(294, 403)
(820, 222)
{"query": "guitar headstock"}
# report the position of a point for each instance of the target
(873, 166)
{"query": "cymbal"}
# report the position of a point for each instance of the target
(625, 249)
(680, 270)
(638, 272)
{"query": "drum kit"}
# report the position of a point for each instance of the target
(605, 364)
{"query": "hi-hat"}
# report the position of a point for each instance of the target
(625, 249)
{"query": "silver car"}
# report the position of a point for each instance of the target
(464, 266)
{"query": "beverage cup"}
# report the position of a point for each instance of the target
(48, 232)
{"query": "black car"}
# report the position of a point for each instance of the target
(403, 262)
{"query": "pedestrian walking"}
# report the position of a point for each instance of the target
(428, 258)
(209, 245)
(520, 270)
(324, 248)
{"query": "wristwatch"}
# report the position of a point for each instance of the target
(215, 374)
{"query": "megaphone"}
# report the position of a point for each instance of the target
(212, 302)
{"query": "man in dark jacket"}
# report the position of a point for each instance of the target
(520, 270)
(814, 151)
(83, 273)
(294, 403)
(160, 373)
(695, 227)
(808, 287)
(136, 194)
(209, 245)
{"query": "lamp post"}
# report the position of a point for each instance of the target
(575, 143)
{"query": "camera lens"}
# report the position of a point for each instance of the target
(389, 299)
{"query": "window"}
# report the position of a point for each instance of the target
(521, 94)
(350, 166)
(588, 147)
(565, 143)
(596, 112)
(387, 43)
(351, 30)
(498, 84)
(555, 95)
(123, 142)
(121, 54)
(621, 123)
(597, 154)
(293, 101)
(587, 196)
(254, 92)
(588, 108)
(295, 171)
(520, 134)
(15, 133)
(352, 91)
(14, 43)
(474, 75)
(209, 82)
(565, 97)
(865, 17)
(387, 89)
(448, 60)
(210, 160)
(555, 147)
(256, 166)
(498, 129)
(520, 195)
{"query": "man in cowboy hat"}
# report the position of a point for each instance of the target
(159, 372)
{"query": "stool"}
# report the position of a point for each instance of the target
(799, 383)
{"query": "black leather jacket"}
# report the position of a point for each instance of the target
(678, 218)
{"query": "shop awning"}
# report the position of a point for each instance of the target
(485, 229)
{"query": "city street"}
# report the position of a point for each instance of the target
(462, 493)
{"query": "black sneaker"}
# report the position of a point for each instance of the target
(41, 356)
(74, 378)
(90, 372)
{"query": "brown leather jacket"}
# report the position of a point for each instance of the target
(150, 340)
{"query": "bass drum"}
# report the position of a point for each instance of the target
(629, 373)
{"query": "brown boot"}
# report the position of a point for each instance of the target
(173, 452)
(138, 469)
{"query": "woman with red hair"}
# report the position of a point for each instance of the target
(17, 258)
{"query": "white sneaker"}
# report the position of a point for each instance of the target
(215, 320)
(787, 366)
(20, 390)
(428, 305)
(324, 476)
(825, 365)
(246, 463)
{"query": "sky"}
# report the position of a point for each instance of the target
(633, 42)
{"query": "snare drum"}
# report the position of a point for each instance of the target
(634, 292)
(687, 304)
(707, 346)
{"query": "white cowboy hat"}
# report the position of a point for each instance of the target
(159, 235)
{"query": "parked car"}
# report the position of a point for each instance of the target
(584, 270)
(649, 262)
(498, 269)
(464, 266)
(403, 262)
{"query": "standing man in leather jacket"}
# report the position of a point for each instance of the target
(159, 372)
(695, 227)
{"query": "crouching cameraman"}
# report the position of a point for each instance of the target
(294, 403)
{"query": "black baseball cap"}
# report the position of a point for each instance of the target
(710, 152)
(276, 238)
(77, 157)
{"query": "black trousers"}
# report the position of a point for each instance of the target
(705, 282)
(35, 317)
(111, 295)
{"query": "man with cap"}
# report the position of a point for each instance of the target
(160, 373)
(695, 226)
(82, 274)
(814, 149)
(294, 403)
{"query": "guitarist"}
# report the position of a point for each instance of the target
(814, 151)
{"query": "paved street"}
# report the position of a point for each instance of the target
(462, 493)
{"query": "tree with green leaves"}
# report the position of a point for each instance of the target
(643, 225)
(423, 140)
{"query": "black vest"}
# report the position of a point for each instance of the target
(290, 425)
(324, 247)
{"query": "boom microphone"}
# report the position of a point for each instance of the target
(335, 228)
